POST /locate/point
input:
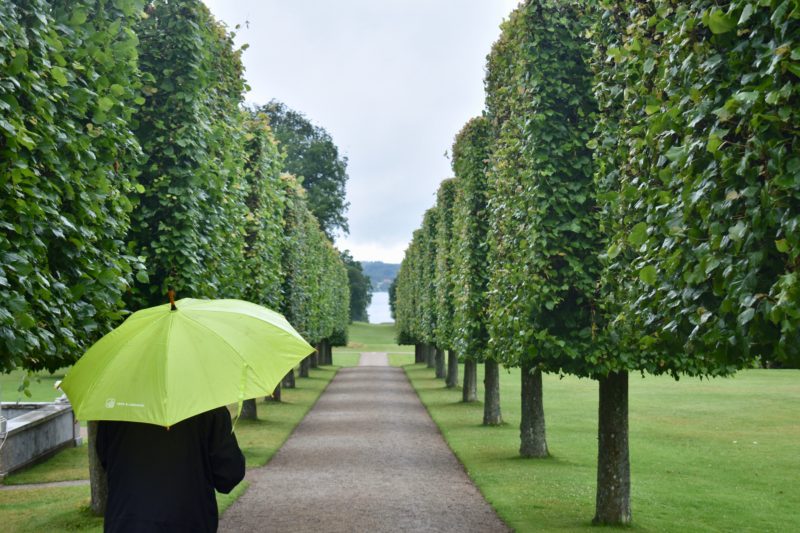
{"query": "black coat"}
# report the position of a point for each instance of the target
(163, 479)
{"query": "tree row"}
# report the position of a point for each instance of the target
(628, 202)
(128, 164)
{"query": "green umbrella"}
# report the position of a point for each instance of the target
(167, 363)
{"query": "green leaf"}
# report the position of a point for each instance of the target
(746, 316)
(675, 153)
(117, 89)
(747, 12)
(737, 231)
(713, 143)
(652, 109)
(648, 274)
(79, 16)
(105, 103)
(718, 22)
(782, 245)
(614, 250)
(638, 234)
(142, 277)
(59, 75)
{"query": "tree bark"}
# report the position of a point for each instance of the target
(430, 355)
(491, 403)
(533, 439)
(452, 369)
(276, 394)
(249, 410)
(419, 354)
(313, 359)
(304, 365)
(288, 380)
(328, 351)
(613, 505)
(97, 476)
(440, 370)
(469, 392)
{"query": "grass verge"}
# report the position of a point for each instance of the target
(66, 508)
(716, 455)
(364, 337)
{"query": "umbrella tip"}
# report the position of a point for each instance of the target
(171, 294)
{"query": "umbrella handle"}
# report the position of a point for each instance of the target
(171, 294)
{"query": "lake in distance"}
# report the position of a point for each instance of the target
(378, 311)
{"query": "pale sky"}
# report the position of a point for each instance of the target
(392, 81)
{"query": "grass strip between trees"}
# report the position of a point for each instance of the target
(66, 508)
(711, 455)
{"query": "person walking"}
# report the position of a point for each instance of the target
(163, 478)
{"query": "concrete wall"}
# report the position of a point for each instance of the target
(35, 431)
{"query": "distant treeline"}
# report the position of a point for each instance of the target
(381, 274)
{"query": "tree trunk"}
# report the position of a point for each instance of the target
(276, 394)
(97, 476)
(469, 392)
(430, 356)
(304, 364)
(452, 369)
(313, 360)
(440, 370)
(249, 410)
(533, 439)
(491, 402)
(613, 463)
(419, 356)
(327, 353)
(288, 380)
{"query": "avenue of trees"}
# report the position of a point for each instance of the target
(130, 164)
(628, 202)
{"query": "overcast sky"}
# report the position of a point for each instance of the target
(392, 81)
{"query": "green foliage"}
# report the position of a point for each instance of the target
(68, 86)
(316, 287)
(697, 152)
(187, 221)
(443, 273)
(312, 156)
(470, 225)
(427, 275)
(543, 234)
(264, 220)
(360, 288)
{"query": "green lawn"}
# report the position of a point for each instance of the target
(365, 337)
(65, 508)
(41, 386)
(720, 455)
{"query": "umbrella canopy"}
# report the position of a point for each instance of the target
(162, 366)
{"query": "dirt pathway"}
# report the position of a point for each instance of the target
(367, 457)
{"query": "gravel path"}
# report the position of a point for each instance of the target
(367, 457)
(75, 483)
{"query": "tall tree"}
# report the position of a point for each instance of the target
(187, 219)
(470, 220)
(314, 159)
(68, 159)
(544, 232)
(360, 288)
(698, 171)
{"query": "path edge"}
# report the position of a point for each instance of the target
(265, 465)
(447, 442)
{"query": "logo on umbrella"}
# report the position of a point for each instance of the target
(110, 403)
